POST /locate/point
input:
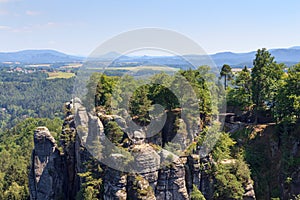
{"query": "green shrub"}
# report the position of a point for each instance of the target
(196, 194)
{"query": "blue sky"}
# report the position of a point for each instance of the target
(78, 27)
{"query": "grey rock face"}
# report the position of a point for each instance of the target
(147, 163)
(181, 137)
(193, 171)
(115, 183)
(95, 129)
(171, 183)
(81, 121)
(147, 160)
(46, 178)
(81, 129)
(161, 174)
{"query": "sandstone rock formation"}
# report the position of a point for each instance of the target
(151, 172)
(47, 175)
(115, 183)
(171, 182)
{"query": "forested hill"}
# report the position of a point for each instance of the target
(25, 95)
(38, 56)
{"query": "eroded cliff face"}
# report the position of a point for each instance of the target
(157, 173)
(273, 153)
(47, 175)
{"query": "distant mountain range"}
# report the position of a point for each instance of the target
(288, 56)
(38, 57)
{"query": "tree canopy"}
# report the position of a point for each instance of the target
(265, 76)
(227, 74)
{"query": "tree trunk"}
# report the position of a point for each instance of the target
(225, 82)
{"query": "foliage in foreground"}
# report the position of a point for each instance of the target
(15, 153)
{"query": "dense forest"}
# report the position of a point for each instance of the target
(25, 95)
(265, 97)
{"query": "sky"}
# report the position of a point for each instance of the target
(78, 27)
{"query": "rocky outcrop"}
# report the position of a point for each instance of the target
(171, 182)
(80, 130)
(181, 136)
(198, 174)
(146, 159)
(115, 183)
(150, 172)
(47, 174)
(81, 119)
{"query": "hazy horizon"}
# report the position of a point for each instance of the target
(144, 54)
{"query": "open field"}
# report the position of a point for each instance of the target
(142, 67)
(53, 75)
(137, 71)
(157, 68)
(71, 65)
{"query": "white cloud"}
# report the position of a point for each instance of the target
(5, 28)
(52, 24)
(32, 13)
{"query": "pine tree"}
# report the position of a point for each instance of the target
(265, 75)
(227, 74)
